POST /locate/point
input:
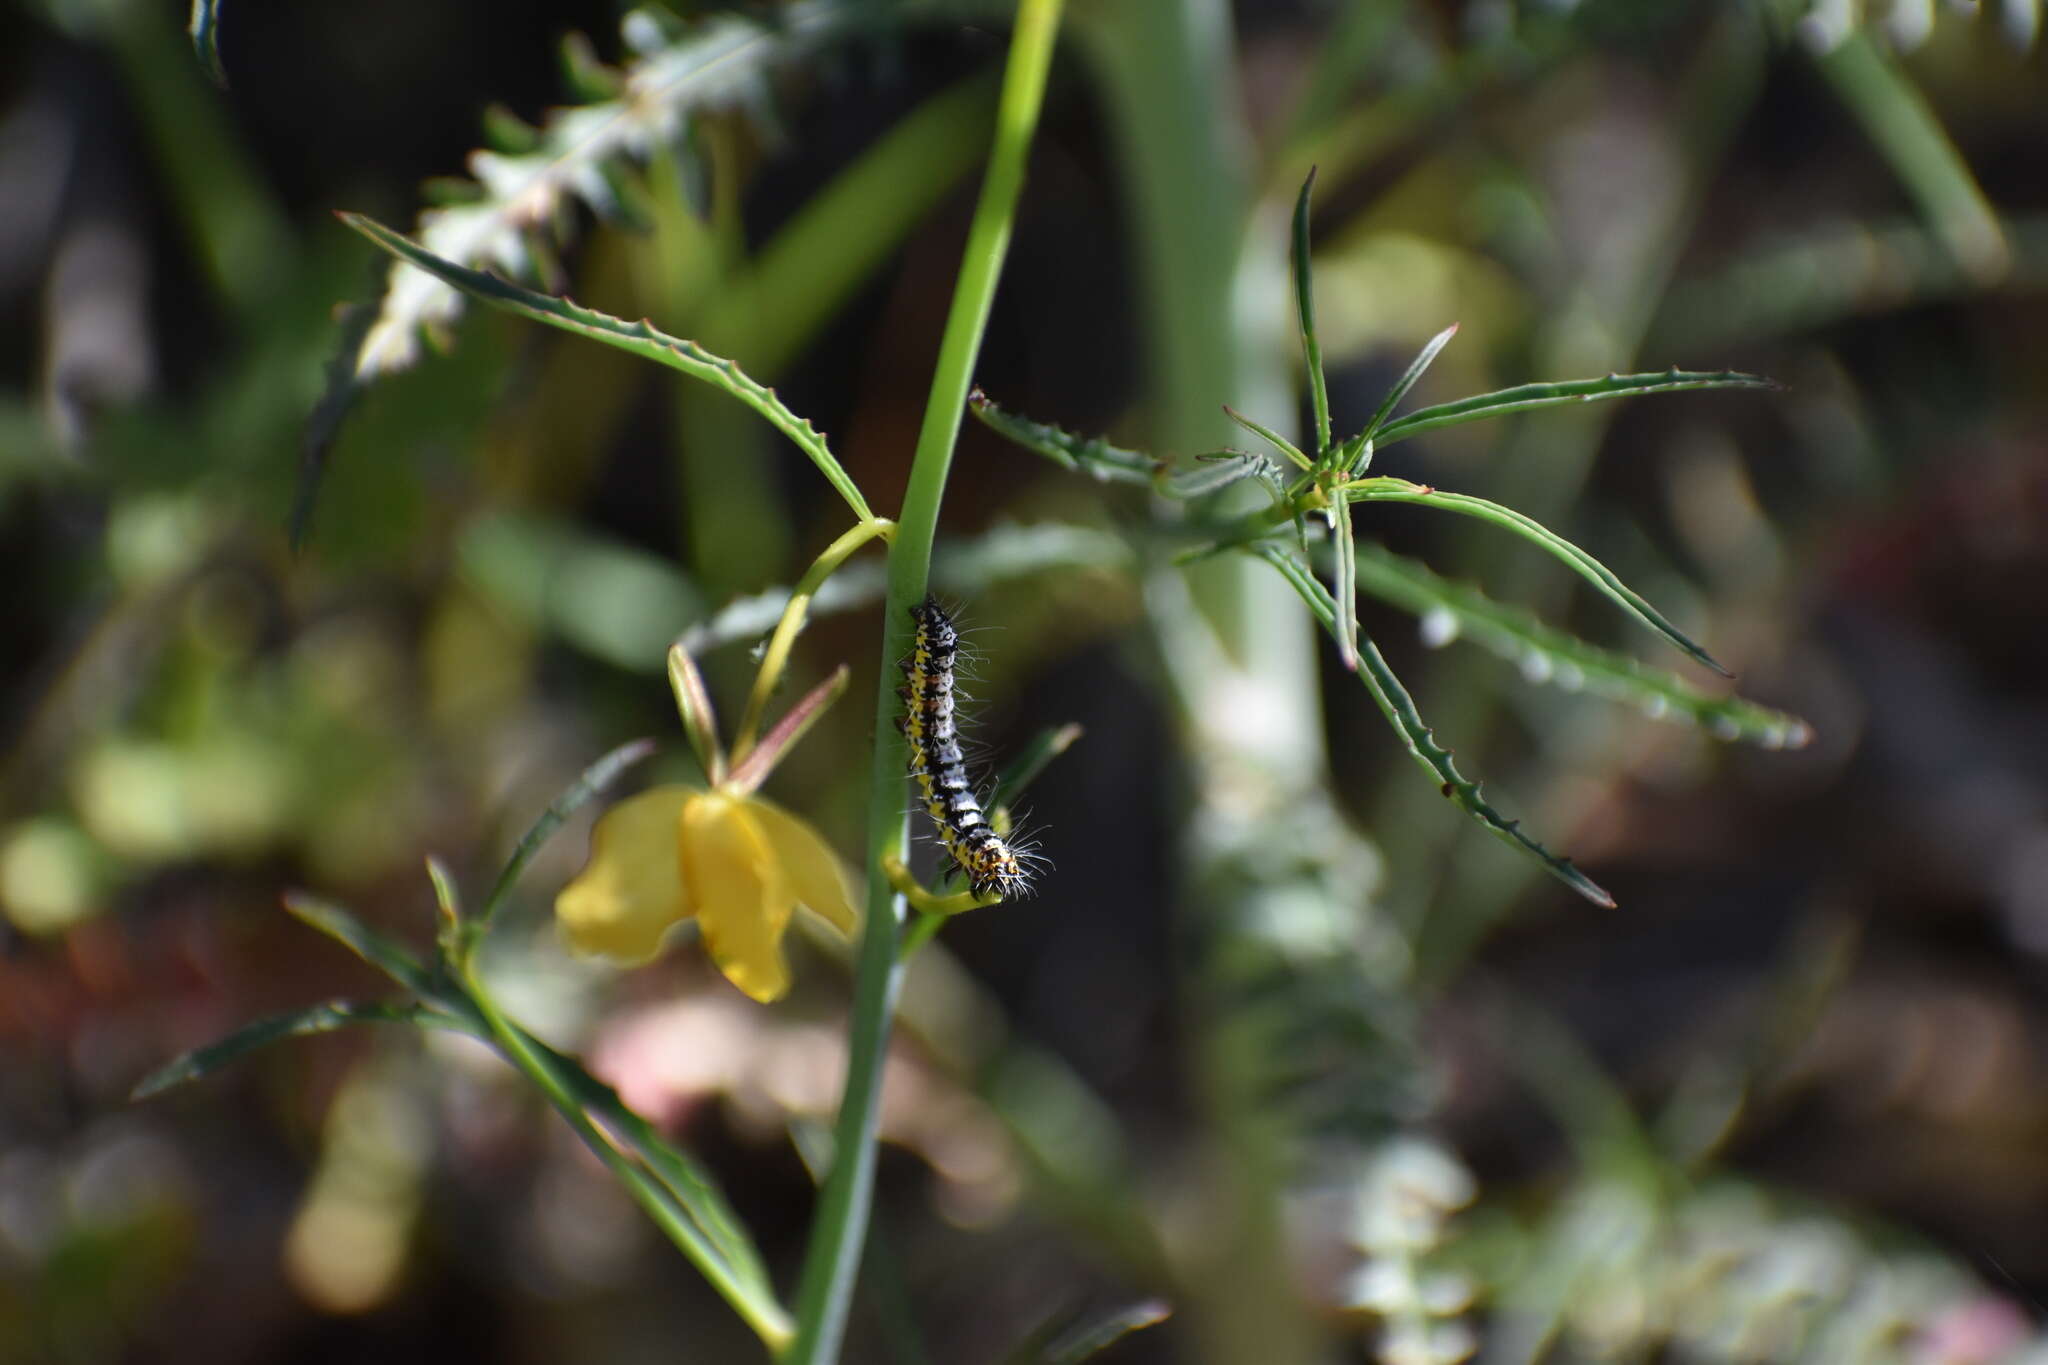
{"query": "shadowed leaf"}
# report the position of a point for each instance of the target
(325, 1018)
(385, 954)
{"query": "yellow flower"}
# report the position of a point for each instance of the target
(737, 864)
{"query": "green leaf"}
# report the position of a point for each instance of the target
(1563, 659)
(1270, 436)
(1399, 709)
(205, 30)
(1305, 314)
(335, 1014)
(1218, 471)
(1401, 386)
(1345, 586)
(595, 779)
(639, 338)
(688, 1185)
(385, 954)
(1581, 563)
(1095, 457)
(1525, 397)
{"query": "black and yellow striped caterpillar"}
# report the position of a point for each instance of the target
(993, 866)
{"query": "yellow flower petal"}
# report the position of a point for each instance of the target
(814, 870)
(743, 900)
(630, 893)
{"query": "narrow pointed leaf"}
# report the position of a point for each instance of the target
(1563, 659)
(1581, 563)
(1271, 437)
(1399, 709)
(1092, 456)
(1070, 1338)
(694, 1192)
(1216, 472)
(750, 772)
(1525, 397)
(335, 1014)
(640, 338)
(694, 1218)
(1345, 586)
(1305, 312)
(1407, 380)
(323, 424)
(385, 954)
(595, 779)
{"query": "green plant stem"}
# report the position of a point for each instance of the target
(777, 656)
(765, 1316)
(840, 1228)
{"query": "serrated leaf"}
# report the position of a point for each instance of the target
(1581, 563)
(595, 779)
(537, 175)
(335, 1014)
(1525, 397)
(1399, 708)
(640, 338)
(1092, 456)
(1216, 472)
(1566, 660)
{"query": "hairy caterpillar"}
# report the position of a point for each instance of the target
(992, 865)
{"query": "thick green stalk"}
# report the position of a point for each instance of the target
(840, 1228)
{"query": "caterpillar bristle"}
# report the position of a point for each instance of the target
(991, 864)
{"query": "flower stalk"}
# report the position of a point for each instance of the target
(840, 1228)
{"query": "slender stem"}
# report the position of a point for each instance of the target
(840, 1229)
(776, 659)
(761, 1313)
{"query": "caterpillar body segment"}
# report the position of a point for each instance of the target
(992, 865)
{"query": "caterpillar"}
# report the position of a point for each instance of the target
(992, 865)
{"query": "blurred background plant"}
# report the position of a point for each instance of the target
(1284, 1054)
